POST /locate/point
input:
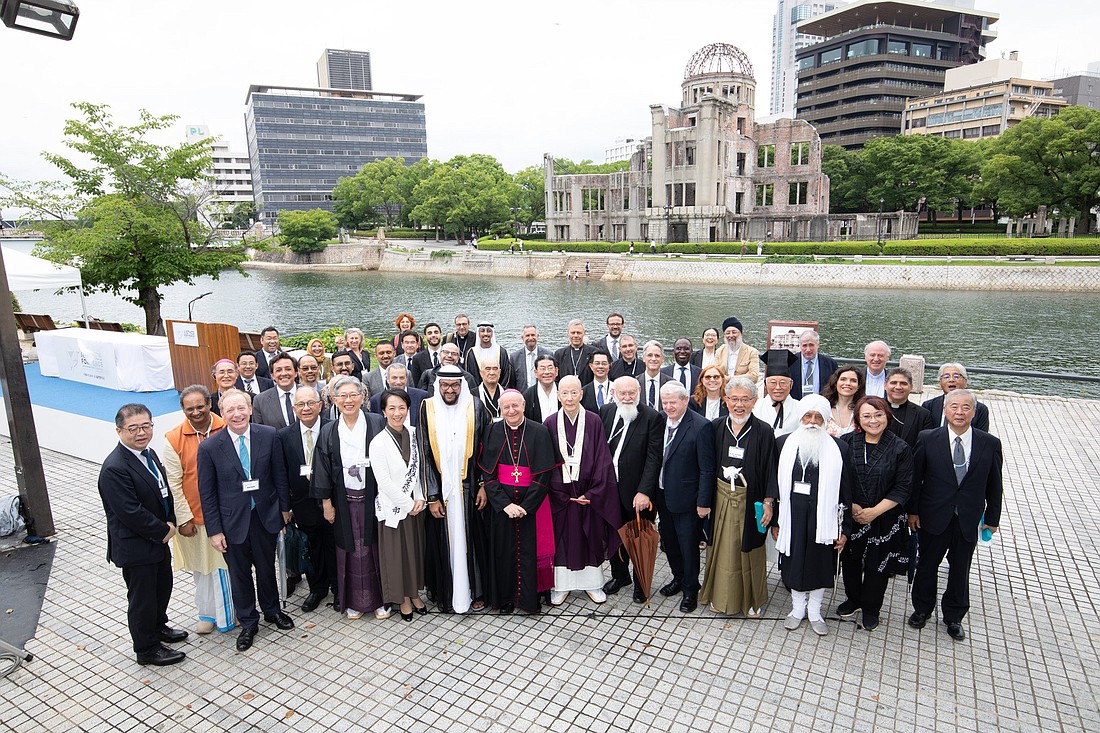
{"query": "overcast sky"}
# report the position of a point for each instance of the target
(511, 79)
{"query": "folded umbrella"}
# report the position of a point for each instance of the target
(640, 539)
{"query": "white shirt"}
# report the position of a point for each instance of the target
(686, 368)
(316, 430)
(607, 398)
(282, 402)
(967, 443)
(656, 382)
(237, 442)
(731, 358)
(548, 402)
(876, 385)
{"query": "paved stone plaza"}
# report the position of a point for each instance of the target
(1029, 662)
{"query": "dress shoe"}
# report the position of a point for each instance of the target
(244, 640)
(162, 656)
(671, 589)
(870, 621)
(688, 604)
(312, 601)
(847, 609)
(204, 627)
(615, 585)
(280, 619)
(597, 596)
(406, 616)
(791, 623)
(172, 636)
(918, 620)
(955, 630)
(506, 609)
(292, 585)
(423, 610)
(639, 596)
(819, 627)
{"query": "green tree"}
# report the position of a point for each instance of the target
(566, 167)
(914, 171)
(243, 215)
(1053, 162)
(531, 195)
(131, 217)
(847, 179)
(420, 170)
(305, 231)
(467, 193)
(376, 193)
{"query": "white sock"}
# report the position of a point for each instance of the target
(798, 604)
(814, 605)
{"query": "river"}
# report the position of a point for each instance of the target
(1023, 331)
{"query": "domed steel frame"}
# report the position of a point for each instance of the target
(719, 58)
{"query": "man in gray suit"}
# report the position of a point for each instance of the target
(274, 407)
(523, 360)
(375, 379)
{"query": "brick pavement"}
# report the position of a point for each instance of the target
(1029, 662)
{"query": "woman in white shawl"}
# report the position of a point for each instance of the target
(395, 461)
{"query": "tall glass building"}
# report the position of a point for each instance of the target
(302, 140)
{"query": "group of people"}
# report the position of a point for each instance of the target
(449, 471)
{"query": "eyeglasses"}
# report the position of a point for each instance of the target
(347, 396)
(952, 375)
(143, 428)
(713, 376)
(740, 400)
(307, 403)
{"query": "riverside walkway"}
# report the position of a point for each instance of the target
(1030, 661)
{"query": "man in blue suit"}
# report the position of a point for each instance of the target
(811, 371)
(246, 502)
(685, 491)
(141, 519)
(956, 487)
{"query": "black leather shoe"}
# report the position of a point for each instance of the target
(292, 585)
(870, 621)
(280, 619)
(671, 589)
(313, 600)
(507, 609)
(244, 640)
(162, 656)
(847, 609)
(172, 636)
(639, 596)
(688, 604)
(615, 585)
(955, 630)
(918, 620)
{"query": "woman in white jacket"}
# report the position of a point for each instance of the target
(396, 465)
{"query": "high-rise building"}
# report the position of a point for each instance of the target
(981, 100)
(876, 54)
(622, 149)
(1082, 88)
(340, 69)
(229, 169)
(785, 41)
(303, 140)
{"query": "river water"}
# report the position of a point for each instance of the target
(1023, 331)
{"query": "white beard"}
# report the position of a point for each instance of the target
(740, 421)
(810, 439)
(628, 413)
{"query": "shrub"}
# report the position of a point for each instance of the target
(993, 247)
(328, 336)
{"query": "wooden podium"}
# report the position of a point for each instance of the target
(194, 347)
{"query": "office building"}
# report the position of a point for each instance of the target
(1082, 88)
(785, 41)
(981, 100)
(232, 182)
(621, 150)
(340, 69)
(853, 85)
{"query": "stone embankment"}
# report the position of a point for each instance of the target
(613, 268)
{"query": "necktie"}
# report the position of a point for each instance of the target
(599, 395)
(668, 440)
(309, 447)
(435, 359)
(808, 378)
(683, 377)
(289, 408)
(614, 349)
(152, 466)
(246, 464)
(652, 393)
(248, 386)
(958, 457)
(778, 415)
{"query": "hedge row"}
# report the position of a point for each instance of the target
(397, 233)
(993, 247)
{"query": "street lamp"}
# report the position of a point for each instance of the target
(44, 17)
(668, 220)
(878, 225)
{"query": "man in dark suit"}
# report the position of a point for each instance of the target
(523, 360)
(141, 519)
(910, 419)
(375, 379)
(248, 380)
(653, 378)
(246, 503)
(573, 358)
(461, 336)
(628, 364)
(398, 377)
(541, 398)
(428, 357)
(610, 342)
(685, 491)
(298, 441)
(956, 487)
(274, 407)
(634, 436)
(269, 347)
(952, 377)
(683, 371)
(812, 370)
(597, 393)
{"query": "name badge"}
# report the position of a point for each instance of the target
(498, 419)
(737, 452)
(253, 485)
(164, 492)
(801, 487)
(305, 470)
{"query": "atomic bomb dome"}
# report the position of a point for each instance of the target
(721, 69)
(718, 58)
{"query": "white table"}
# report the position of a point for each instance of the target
(129, 362)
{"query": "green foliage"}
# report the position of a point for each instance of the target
(377, 193)
(441, 254)
(243, 215)
(531, 195)
(844, 168)
(994, 247)
(15, 307)
(1047, 161)
(306, 231)
(467, 193)
(131, 213)
(566, 167)
(964, 226)
(821, 248)
(328, 335)
(396, 233)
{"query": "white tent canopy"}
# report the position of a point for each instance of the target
(27, 272)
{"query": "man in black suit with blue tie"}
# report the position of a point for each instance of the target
(683, 370)
(811, 371)
(956, 487)
(246, 503)
(141, 519)
(685, 491)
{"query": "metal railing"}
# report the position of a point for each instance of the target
(991, 370)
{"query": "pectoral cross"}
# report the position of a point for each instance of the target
(516, 474)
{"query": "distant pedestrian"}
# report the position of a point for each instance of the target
(587, 269)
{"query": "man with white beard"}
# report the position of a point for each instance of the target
(449, 429)
(634, 435)
(736, 358)
(812, 491)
